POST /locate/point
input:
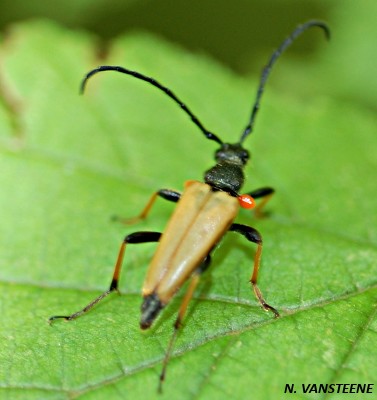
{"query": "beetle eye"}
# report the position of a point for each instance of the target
(244, 156)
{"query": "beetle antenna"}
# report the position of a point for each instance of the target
(195, 120)
(267, 68)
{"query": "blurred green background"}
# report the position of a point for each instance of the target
(59, 188)
(234, 34)
(240, 35)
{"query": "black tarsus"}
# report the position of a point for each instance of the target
(138, 75)
(267, 69)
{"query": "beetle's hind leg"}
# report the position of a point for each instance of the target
(252, 235)
(181, 313)
(133, 238)
(167, 194)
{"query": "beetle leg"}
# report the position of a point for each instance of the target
(252, 235)
(265, 193)
(166, 194)
(181, 313)
(133, 238)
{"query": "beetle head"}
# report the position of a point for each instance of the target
(232, 153)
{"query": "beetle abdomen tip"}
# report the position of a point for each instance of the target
(150, 308)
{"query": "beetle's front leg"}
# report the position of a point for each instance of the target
(167, 194)
(265, 194)
(252, 235)
(133, 238)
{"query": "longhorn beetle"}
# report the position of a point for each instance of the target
(205, 212)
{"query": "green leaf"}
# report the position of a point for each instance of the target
(68, 163)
